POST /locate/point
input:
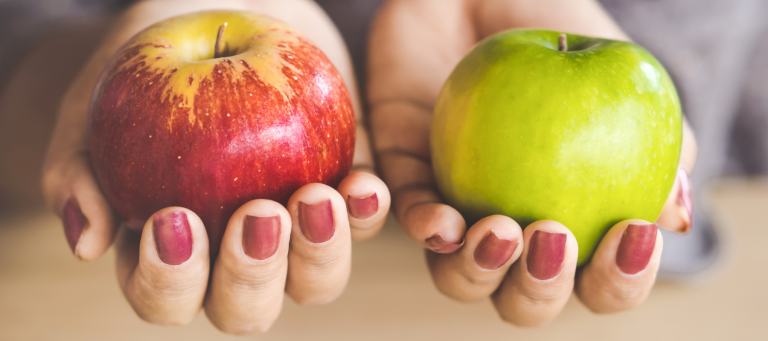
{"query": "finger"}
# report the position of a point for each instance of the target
(623, 269)
(436, 226)
(367, 199)
(690, 149)
(402, 139)
(492, 245)
(164, 271)
(418, 208)
(320, 253)
(539, 284)
(246, 290)
(71, 190)
(422, 215)
(677, 214)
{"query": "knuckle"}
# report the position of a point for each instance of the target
(240, 329)
(611, 299)
(516, 320)
(477, 281)
(151, 290)
(50, 177)
(459, 294)
(324, 260)
(314, 299)
(153, 317)
(508, 317)
(624, 295)
(246, 331)
(360, 233)
(49, 173)
(540, 296)
(520, 313)
(251, 282)
(617, 300)
(509, 313)
(161, 305)
(426, 214)
(460, 284)
(170, 291)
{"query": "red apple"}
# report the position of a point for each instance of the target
(170, 125)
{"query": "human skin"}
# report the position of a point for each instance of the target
(267, 249)
(413, 48)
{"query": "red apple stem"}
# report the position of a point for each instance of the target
(562, 44)
(218, 49)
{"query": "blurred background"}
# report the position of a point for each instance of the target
(712, 283)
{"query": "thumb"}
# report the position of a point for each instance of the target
(71, 191)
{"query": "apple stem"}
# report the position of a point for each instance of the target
(218, 49)
(562, 43)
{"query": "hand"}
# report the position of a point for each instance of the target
(528, 274)
(242, 293)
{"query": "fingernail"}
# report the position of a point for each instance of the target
(636, 248)
(438, 244)
(546, 254)
(261, 236)
(74, 222)
(173, 237)
(685, 198)
(363, 208)
(316, 221)
(493, 252)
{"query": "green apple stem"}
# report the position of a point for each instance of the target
(562, 43)
(218, 49)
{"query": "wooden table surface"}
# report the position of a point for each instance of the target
(45, 294)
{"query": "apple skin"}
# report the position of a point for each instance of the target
(587, 137)
(169, 125)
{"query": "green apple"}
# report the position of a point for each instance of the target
(587, 135)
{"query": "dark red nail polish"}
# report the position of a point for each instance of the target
(685, 195)
(546, 254)
(363, 208)
(74, 222)
(636, 248)
(173, 237)
(493, 252)
(261, 235)
(438, 244)
(316, 221)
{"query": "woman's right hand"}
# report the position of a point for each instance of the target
(529, 274)
(267, 250)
